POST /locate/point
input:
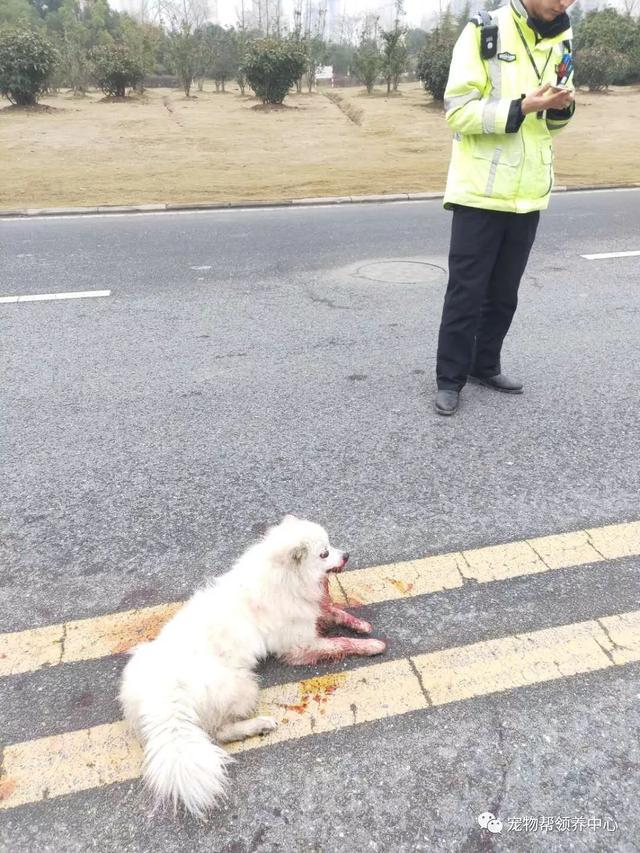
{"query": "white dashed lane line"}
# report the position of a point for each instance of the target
(45, 297)
(604, 255)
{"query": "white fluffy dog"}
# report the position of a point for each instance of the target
(196, 679)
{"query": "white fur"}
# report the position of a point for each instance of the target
(196, 679)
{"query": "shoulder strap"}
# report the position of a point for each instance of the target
(488, 34)
(481, 19)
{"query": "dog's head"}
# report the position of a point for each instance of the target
(304, 545)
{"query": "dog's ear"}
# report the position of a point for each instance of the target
(290, 517)
(298, 554)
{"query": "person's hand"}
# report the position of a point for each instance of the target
(546, 98)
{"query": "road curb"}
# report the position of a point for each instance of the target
(35, 212)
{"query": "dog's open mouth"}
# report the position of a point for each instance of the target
(335, 570)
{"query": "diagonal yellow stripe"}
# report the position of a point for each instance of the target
(87, 639)
(63, 764)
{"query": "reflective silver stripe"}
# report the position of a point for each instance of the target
(489, 115)
(495, 66)
(492, 171)
(460, 100)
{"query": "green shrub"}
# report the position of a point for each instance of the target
(272, 67)
(618, 34)
(433, 66)
(185, 51)
(596, 67)
(27, 61)
(368, 63)
(115, 67)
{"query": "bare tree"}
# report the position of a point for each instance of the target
(370, 26)
(266, 16)
(395, 50)
(185, 20)
(180, 14)
(349, 29)
(242, 42)
(143, 12)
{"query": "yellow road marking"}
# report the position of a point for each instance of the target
(87, 639)
(83, 639)
(77, 761)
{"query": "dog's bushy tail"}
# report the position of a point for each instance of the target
(181, 764)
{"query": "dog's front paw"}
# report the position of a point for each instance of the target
(264, 725)
(374, 647)
(362, 627)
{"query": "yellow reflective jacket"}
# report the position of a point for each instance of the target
(499, 161)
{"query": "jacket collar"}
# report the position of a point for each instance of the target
(519, 9)
(555, 31)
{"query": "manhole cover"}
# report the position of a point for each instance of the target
(402, 272)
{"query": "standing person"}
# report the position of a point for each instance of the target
(500, 178)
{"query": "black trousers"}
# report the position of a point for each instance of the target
(487, 257)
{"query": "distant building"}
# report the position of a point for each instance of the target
(325, 74)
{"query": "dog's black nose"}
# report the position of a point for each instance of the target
(345, 556)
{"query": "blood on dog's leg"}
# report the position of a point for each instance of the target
(332, 614)
(337, 616)
(334, 648)
(242, 729)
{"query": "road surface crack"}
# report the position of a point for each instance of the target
(505, 766)
(323, 300)
(62, 641)
(417, 674)
(539, 556)
(590, 542)
(614, 645)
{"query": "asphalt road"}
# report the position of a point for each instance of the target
(250, 363)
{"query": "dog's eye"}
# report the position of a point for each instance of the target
(324, 554)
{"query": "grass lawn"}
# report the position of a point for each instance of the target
(225, 147)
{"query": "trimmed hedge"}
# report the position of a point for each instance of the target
(115, 67)
(27, 61)
(272, 67)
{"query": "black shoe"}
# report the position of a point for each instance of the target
(499, 383)
(447, 401)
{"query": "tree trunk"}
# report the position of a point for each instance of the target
(25, 100)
